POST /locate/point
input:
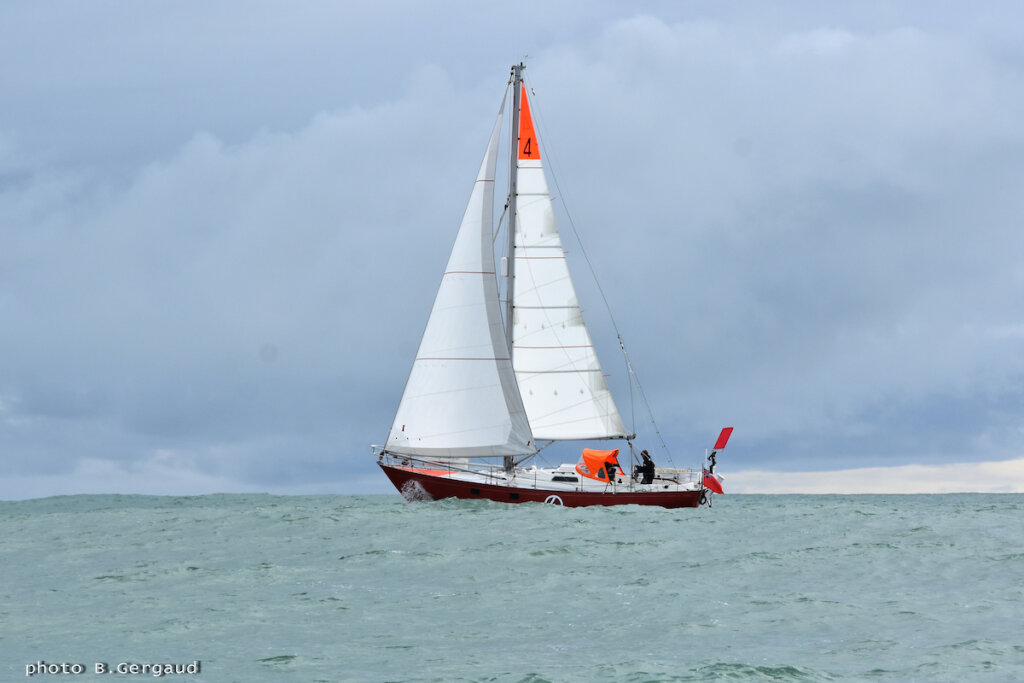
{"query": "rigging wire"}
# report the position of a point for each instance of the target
(632, 375)
(504, 211)
(501, 222)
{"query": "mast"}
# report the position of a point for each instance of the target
(517, 80)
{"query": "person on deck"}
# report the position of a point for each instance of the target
(647, 468)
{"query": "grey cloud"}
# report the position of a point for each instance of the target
(221, 258)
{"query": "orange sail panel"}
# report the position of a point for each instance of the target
(593, 463)
(528, 147)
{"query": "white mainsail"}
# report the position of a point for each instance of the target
(461, 398)
(559, 376)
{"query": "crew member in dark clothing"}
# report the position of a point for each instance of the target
(647, 468)
(611, 471)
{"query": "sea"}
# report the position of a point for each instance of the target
(250, 588)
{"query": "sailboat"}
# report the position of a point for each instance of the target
(487, 392)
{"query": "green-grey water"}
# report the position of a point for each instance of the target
(370, 588)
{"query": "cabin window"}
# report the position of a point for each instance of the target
(474, 492)
(514, 496)
(564, 477)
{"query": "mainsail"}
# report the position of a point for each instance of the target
(559, 376)
(461, 398)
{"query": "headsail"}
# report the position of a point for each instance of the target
(560, 378)
(461, 398)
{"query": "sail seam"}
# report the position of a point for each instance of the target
(557, 346)
(554, 372)
(457, 358)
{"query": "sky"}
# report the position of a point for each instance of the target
(221, 232)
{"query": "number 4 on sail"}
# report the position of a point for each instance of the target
(486, 389)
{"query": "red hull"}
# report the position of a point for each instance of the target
(417, 485)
